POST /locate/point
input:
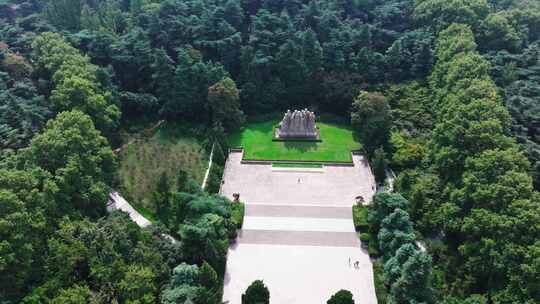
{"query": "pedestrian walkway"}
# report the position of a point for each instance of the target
(295, 237)
(117, 202)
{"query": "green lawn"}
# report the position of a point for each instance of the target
(297, 165)
(256, 139)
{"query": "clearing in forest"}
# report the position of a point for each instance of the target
(143, 162)
(256, 139)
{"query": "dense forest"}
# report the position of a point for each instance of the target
(444, 92)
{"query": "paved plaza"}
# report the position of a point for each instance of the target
(298, 234)
(331, 186)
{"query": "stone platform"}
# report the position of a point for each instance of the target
(298, 235)
(257, 183)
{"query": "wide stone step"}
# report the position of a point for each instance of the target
(298, 224)
(299, 238)
(262, 210)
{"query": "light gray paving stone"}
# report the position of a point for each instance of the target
(299, 238)
(299, 274)
(337, 186)
(298, 235)
(297, 224)
(298, 211)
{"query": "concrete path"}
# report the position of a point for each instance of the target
(207, 173)
(298, 237)
(117, 202)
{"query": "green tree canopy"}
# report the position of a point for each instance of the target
(23, 112)
(439, 14)
(74, 81)
(384, 204)
(409, 275)
(24, 216)
(396, 231)
(224, 102)
(341, 297)
(79, 158)
(371, 118)
(256, 293)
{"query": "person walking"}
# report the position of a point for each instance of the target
(349, 262)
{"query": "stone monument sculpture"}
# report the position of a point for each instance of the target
(298, 124)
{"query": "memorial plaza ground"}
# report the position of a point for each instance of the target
(298, 234)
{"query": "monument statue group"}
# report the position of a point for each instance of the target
(298, 124)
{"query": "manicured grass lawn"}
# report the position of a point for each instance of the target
(296, 165)
(256, 139)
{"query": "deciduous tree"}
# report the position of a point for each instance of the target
(371, 118)
(79, 158)
(224, 102)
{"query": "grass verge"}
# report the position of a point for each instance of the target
(145, 213)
